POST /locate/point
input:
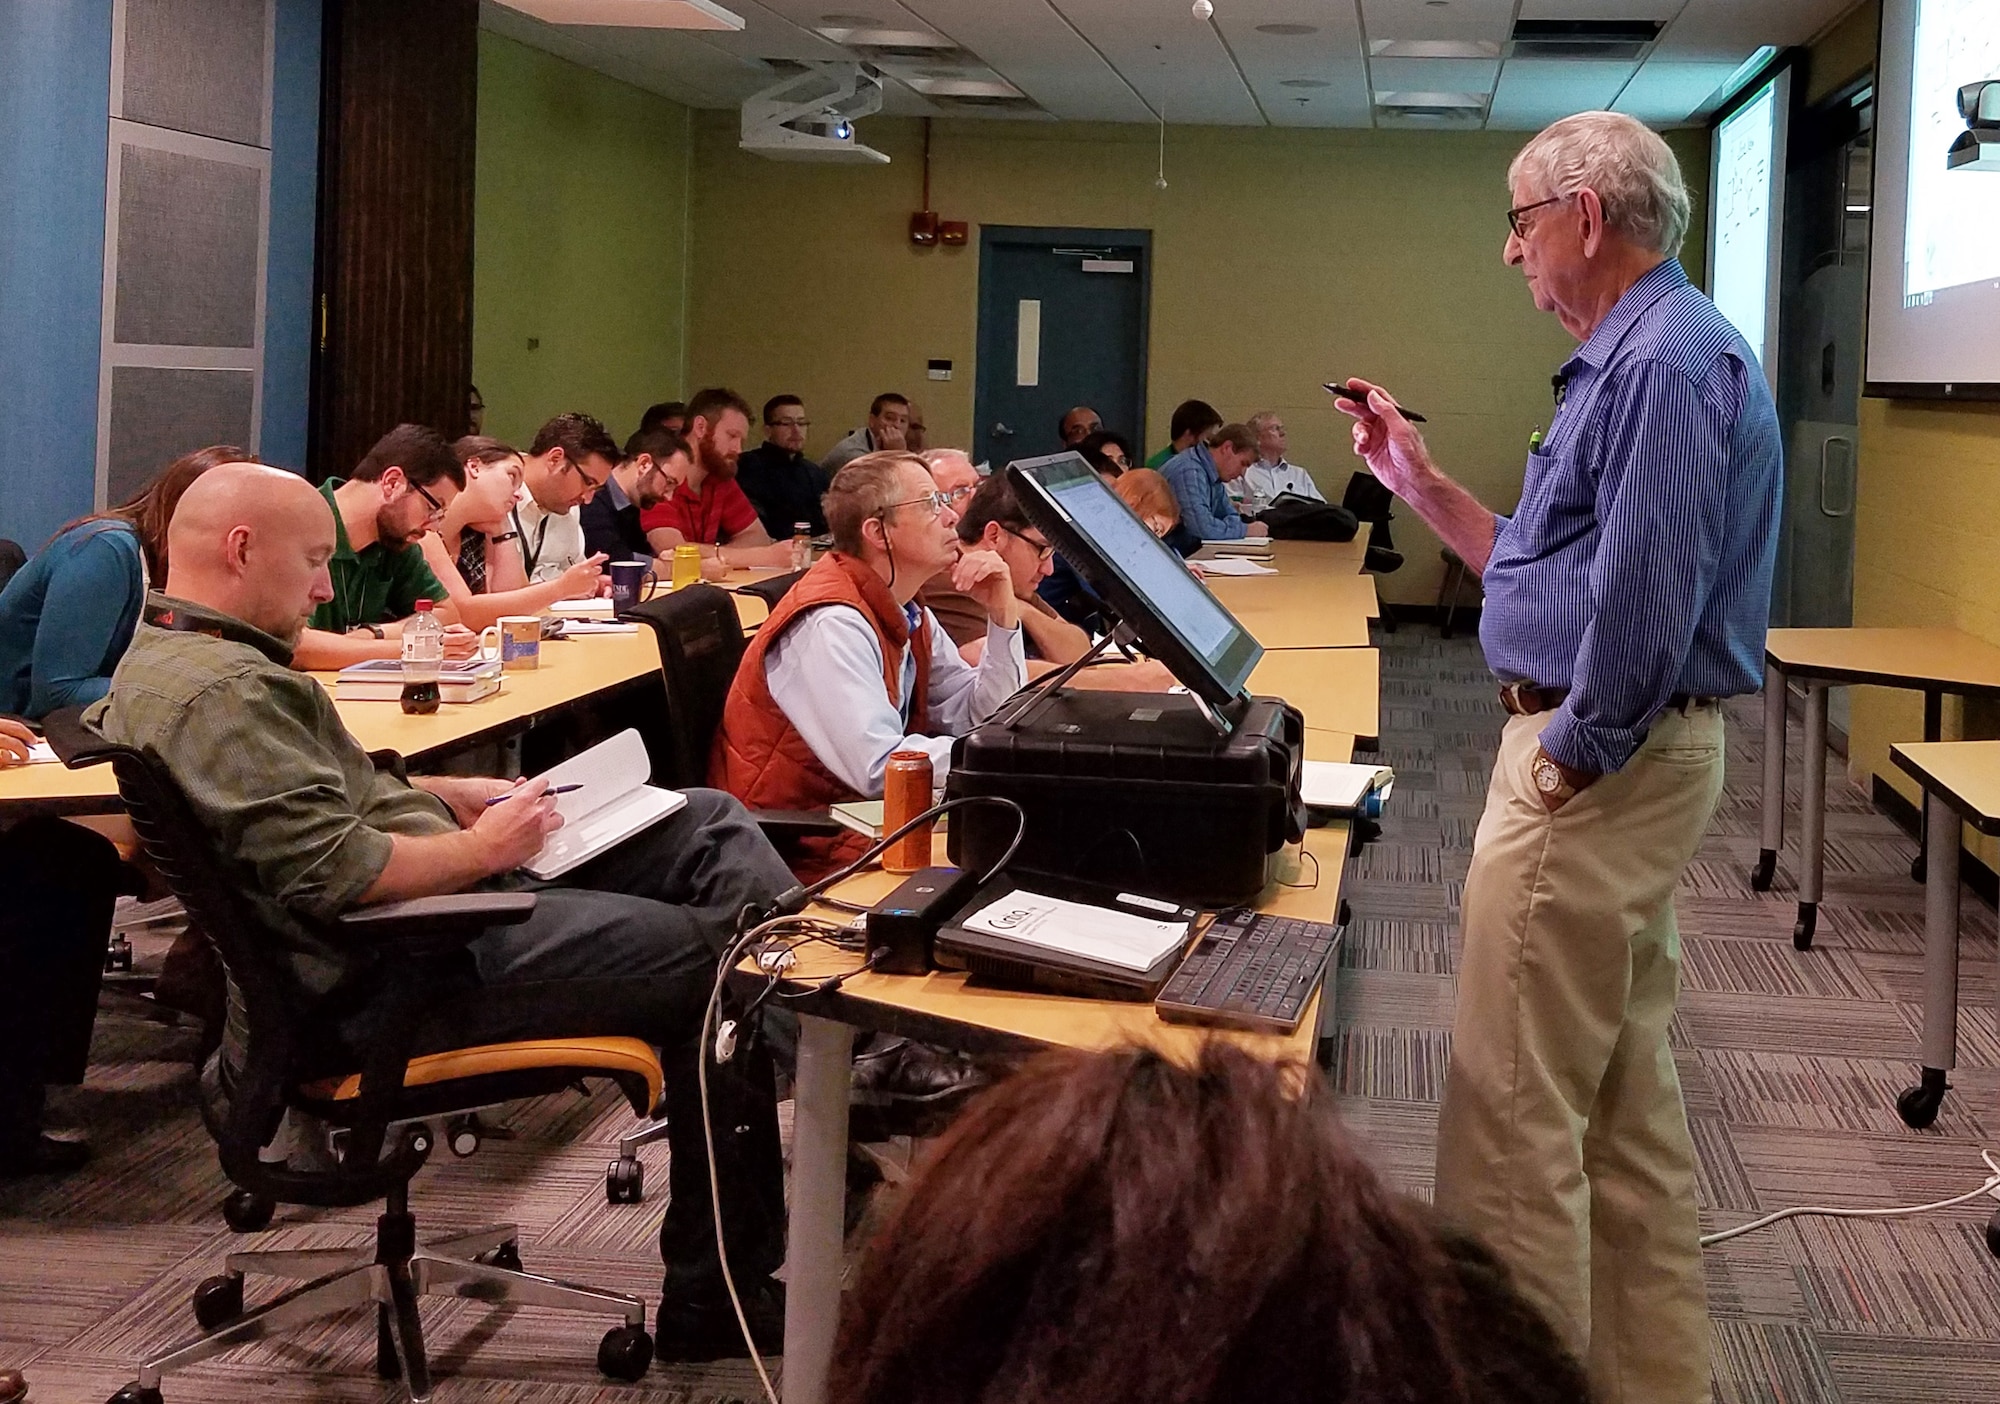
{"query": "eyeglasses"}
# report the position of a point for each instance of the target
(1043, 550)
(436, 514)
(936, 501)
(1514, 215)
(590, 484)
(788, 424)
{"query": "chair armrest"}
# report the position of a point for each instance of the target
(437, 923)
(796, 823)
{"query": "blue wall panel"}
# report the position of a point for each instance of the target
(55, 91)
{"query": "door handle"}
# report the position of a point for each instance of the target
(1001, 431)
(1828, 442)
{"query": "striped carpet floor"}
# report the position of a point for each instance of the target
(1790, 1062)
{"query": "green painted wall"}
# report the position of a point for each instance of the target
(580, 243)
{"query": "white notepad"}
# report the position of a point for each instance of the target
(614, 803)
(1340, 787)
(1234, 565)
(1129, 942)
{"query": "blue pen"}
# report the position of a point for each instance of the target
(551, 790)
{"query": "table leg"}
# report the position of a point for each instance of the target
(1812, 822)
(814, 1256)
(1933, 731)
(1919, 1105)
(1774, 779)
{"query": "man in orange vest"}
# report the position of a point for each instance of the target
(849, 668)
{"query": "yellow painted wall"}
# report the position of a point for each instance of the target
(580, 239)
(1281, 258)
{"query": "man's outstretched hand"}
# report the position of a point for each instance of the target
(1388, 443)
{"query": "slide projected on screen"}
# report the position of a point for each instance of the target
(1952, 222)
(1934, 233)
(1748, 185)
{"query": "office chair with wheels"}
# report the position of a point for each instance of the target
(1369, 500)
(263, 1070)
(773, 588)
(701, 643)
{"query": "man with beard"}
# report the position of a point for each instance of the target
(709, 509)
(656, 462)
(395, 494)
(308, 830)
(571, 458)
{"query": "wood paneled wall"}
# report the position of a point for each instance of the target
(394, 271)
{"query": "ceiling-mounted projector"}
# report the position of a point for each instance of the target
(1978, 146)
(810, 116)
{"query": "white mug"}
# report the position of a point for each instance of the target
(520, 642)
(489, 644)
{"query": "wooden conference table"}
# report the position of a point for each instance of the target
(1961, 781)
(1933, 661)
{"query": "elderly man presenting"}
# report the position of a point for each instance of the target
(1625, 596)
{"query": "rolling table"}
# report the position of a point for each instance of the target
(1961, 781)
(1300, 608)
(1933, 661)
(1338, 689)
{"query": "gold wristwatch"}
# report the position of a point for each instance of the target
(1549, 778)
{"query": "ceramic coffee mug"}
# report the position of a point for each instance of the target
(520, 642)
(629, 580)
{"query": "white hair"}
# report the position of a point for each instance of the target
(1632, 171)
(1260, 421)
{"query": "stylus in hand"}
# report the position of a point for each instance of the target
(551, 790)
(1360, 397)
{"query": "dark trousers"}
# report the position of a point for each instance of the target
(627, 945)
(58, 884)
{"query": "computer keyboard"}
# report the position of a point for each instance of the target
(1250, 970)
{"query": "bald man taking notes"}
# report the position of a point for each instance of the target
(1627, 594)
(309, 829)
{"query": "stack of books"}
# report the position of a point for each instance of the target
(381, 680)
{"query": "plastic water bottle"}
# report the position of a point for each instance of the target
(423, 656)
(802, 545)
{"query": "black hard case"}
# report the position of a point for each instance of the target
(1137, 791)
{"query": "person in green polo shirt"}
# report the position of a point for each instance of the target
(1192, 422)
(395, 494)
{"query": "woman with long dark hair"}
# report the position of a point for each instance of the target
(68, 614)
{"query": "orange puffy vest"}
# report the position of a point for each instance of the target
(759, 755)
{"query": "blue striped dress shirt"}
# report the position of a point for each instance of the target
(1638, 563)
(1205, 506)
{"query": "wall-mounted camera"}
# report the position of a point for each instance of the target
(1978, 146)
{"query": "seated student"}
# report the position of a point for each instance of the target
(888, 427)
(1153, 502)
(655, 464)
(476, 553)
(1199, 478)
(1192, 421)
(849, 668)
(1272, 473)
(626, 945)
(1078, 425)
(709, 509)
(781, 482)
(992, 520)
(60, 881)
(571, 458)
(670, 415)
(1119, 1226)
(398, 492)
(69, 612)
(1107, 451)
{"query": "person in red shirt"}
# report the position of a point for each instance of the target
(709, 508)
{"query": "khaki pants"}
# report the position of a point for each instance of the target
(1562, 1141)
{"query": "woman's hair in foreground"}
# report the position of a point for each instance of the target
(1118, 1227)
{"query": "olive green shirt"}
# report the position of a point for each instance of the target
(285, 793)
(374, 585)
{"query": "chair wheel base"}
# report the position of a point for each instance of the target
(625, 1353)
(1919, 1105)
(135, 1393)
(1802, 929)
(625, 1181)
(1917, 868)
(218, 1300)
(507, 1255)
(1766, 869)
(246, 1212)
(1993, 1234)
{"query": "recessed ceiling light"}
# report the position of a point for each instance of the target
(1304, 83)
(1434, 48)
(1287, 31)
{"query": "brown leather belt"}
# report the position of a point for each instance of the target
(1524, 699)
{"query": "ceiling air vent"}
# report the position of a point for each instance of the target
(1583, 38)
(1433, 107)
